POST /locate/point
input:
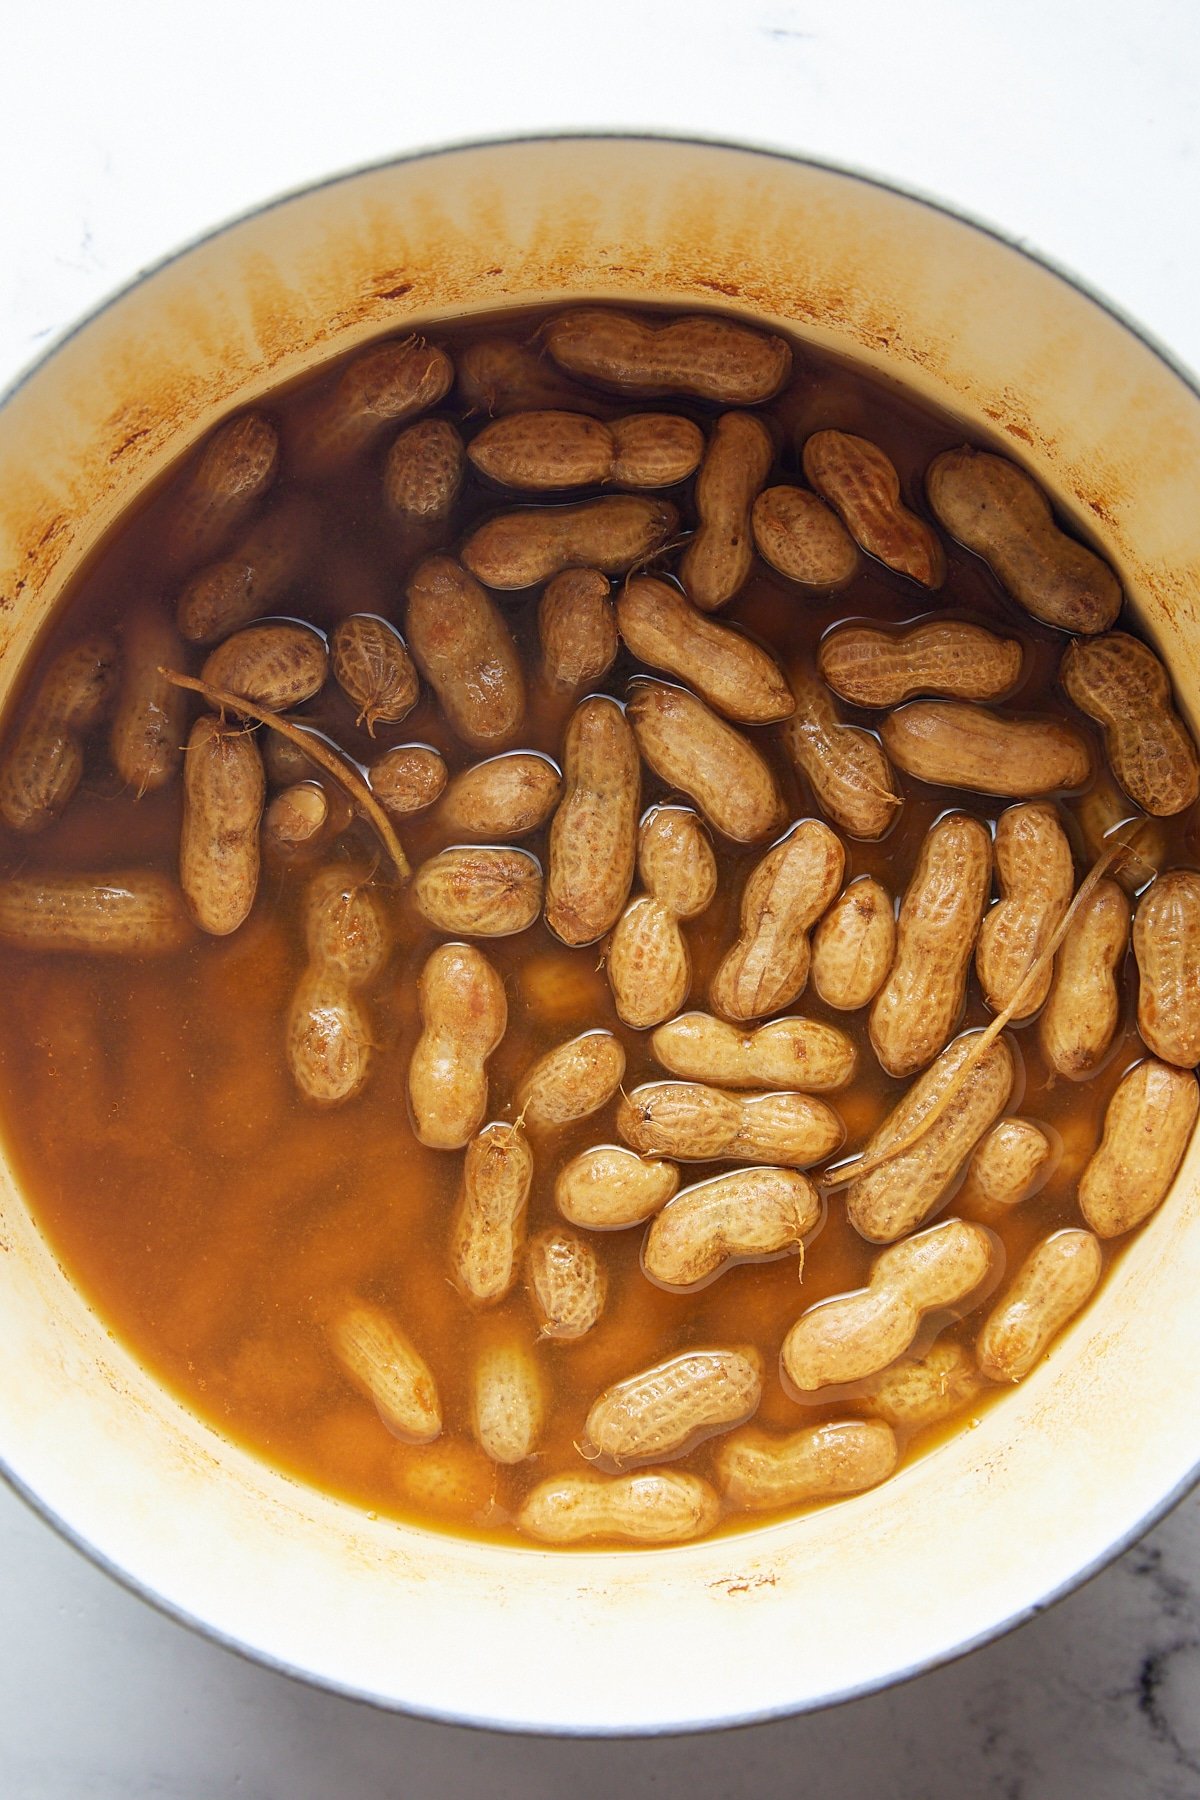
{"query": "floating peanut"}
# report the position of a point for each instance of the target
(463, 1016)
(489, 1220)
(593, 837)
(748, 1215)
(236, 469)
(328, 1036)
(995, 509)
(720, 553)
(953, 744)
(1081, 1014)
(498, 376)
(295, 818)
(854, 944)
(223, 792)
(656, 1506)
(134, 912)
(571, 1082)
(606, 1188)
(568, 1284)
(518, 549)
(1119, 682)
(1107, 817)
(1010, 1163)
(669, 1408)
(148, 724)
(1036, 876)
(648, 963)
(484, 892)
(853, 1336)
(786, 893)
(372, 667)
(803, 538)
(408, 778)
(690, 748)
(845, 765)
(676, 861)
(940, 656)
(919, 1004)
(919, 1391)
(862, 486)
(424, 472)
(732, 673)
(762, 1471)
(505, 797)
(383, 386)
(264, 563)
(1146, 1130)
(695, 1123)
(463, 648)
(578, 630)
(1051, 1286)
(276, 666)
(1166, 943)
(508, 1401)
(382, 1362)
(788, 1053)
(42, 763)
(654, 450)
(553, 450)
(714, 359)
(902, 1192)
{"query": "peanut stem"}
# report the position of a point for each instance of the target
(315, 748)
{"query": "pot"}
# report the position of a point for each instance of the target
(972, 1537)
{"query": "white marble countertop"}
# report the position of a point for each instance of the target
(1074, 127)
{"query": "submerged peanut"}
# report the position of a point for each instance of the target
(720, 553)
(505, 797)
(954, 744)
(1147, 1128)
(648, 963)
(247, 582)
(134, 912)
(666, 1410)
(767, 967)
(236, 469)
(479, 892)
(424, 472)
(295, 818)
(946, 657)
(577, 629)
(148, 724)
(593, 837)
(372, 667)
(1051, 1285)
(488, 1225)
(1106, 818)
(714, 359)
(328, 1032)
(1010, 1163)
(729, 671)
(1166, 943)
(42, 763)
(655, 1506)
(607, 1188)
(548, 451)
(923, 1390)
(853, 946)
(748, 1215)
(690, 748)
(676, 861)
(803, 538)
(1035, 872)
(571, 1082)
(463, 1017)
(223, 793)
(568, 1284)
(276, 666)
(1080, 1017)
(695, 1123)
(382, 1362)
(652, 450)
(380, 387)
(508, 1401)
(845, 764)
(498, 376)
(862, 486)
(1118, 681)
(762, 1471)
(519, 549)
(788, 1053)
(465, 652)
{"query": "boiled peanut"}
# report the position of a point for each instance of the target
(953, 744)
(606, 1188)
(1051, 1285)
(803, 538)
(728, 670)
(648, 964)
(690, 748)
(463, 648)
(383, 386)
(571, 1082)
(223, 793)
(862, 486)
(578, 630)
(1011, 1161)
(482, 892)
(424, 472)
(654, 450)
(544, 451)
(669, 1408)
(1146, 1130)
(265, 561)
(451, 1478)
(923, 1390)
(1036, 876)
(1118, 681)
(382, 1362)
(895, 1198)
(1081, 1014)
(372, 667)
(845, 765)
(939, 656)
(295, 818)
(997, 510)
(720, 553)
(463, 1017)
(42, 764)
(656, 1506)
(236, 469)
(857, 1335)
(489, 1220)
(762, 1471)
(786, 893)
(694, 1123)
(568, 1284)
(508, 1401)
(328, 1035)
(276, 666)
(593, 837)
(560, 988)
(676, 861)
(748, 1215)
(133, 912)
(714, 359)
(787, 1053)
(148, 724)
(506, 796)
(1166, 943)
(854, 944)
(518, 549)
(919, 1004)
(498, 376)
(408, 778)
(1107, 817)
